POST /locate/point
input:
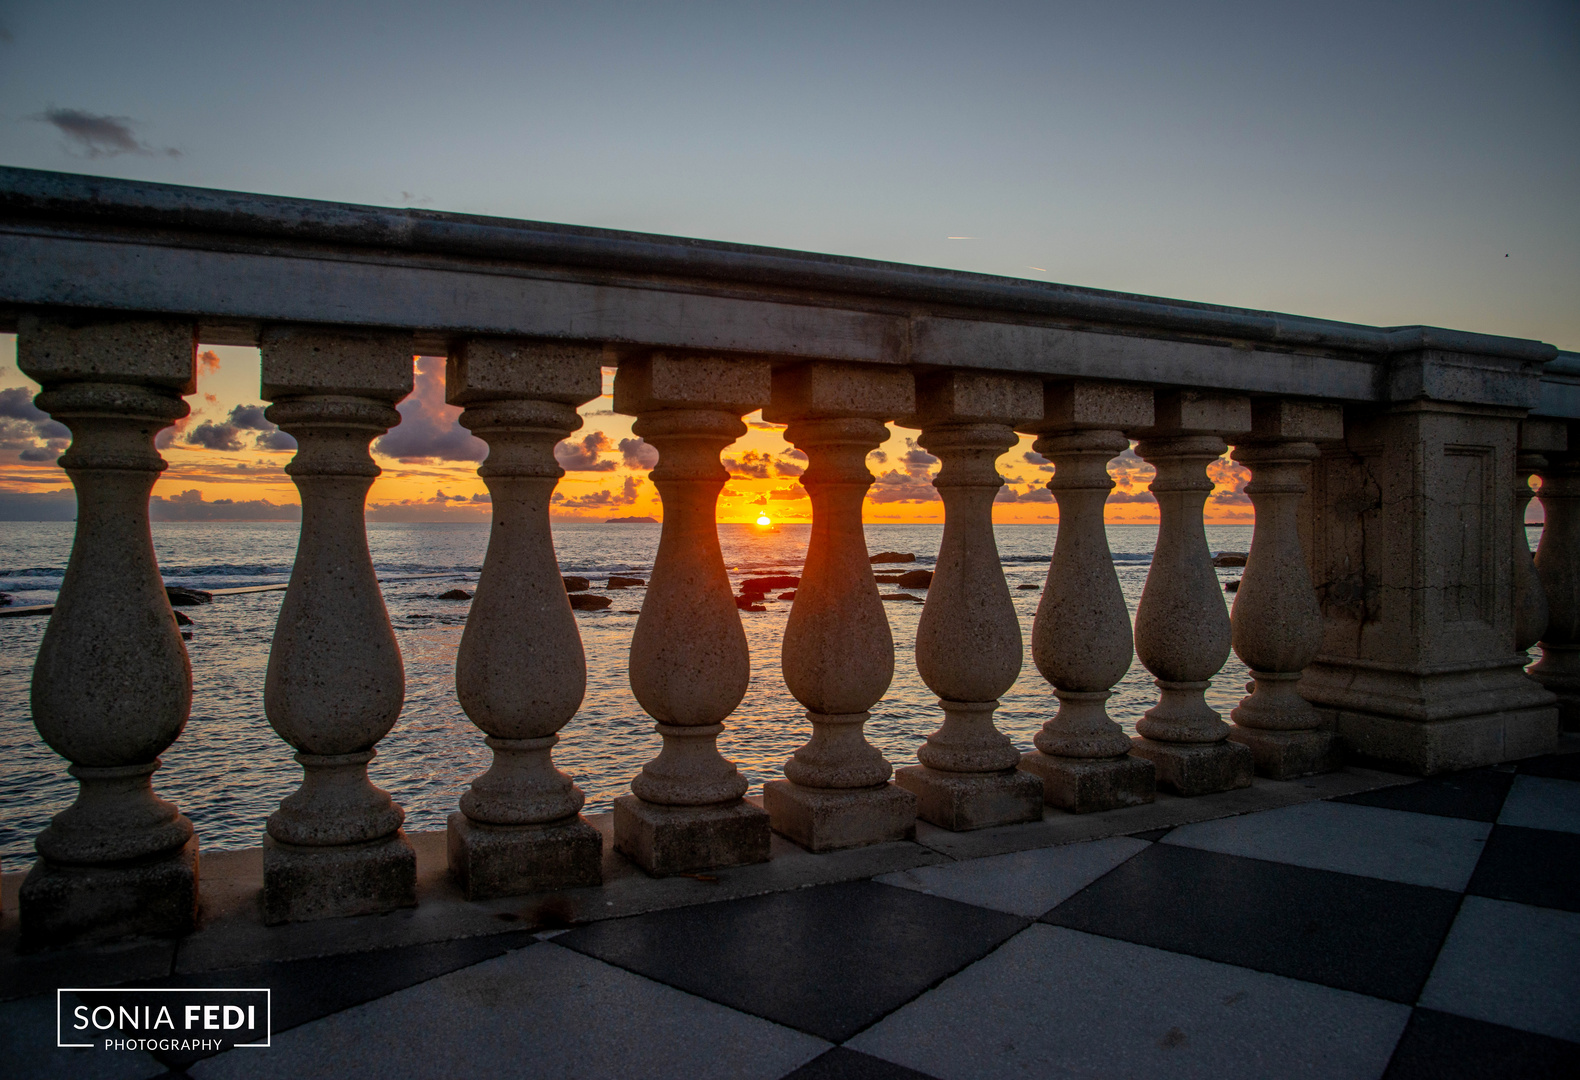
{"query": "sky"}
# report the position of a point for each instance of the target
(1385, 163)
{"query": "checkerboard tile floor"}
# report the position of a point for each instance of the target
(1427, 930)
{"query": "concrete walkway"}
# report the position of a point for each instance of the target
(1356, 925)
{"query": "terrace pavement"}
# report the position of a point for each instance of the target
(1357, 925)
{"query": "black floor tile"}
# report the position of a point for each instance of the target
(829, 960)
(842, 1064)
(1373, 937)
(1476, 794)
(1529, 866)
(1553, 767)
(1437, 1046)
(306, 990)
(1152, 834)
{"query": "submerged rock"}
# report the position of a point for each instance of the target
(589, 602)
(184, 597)
(454, 594)
(892, 556)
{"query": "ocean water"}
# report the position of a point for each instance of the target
(229, 770)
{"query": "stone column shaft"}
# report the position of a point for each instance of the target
(1277, 623)
(968, 643)
(335, 683)
(1182, 626)
(520, 672)
(1558, 570)
(1081, 638)
(689, 661)
(838, 653)
(112, 685)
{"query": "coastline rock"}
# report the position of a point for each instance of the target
(915, 579)
(746, 603)
(631, 521)
(6, 599)
(886, 579)
(1229, 558)
(892, 556)
(763, 585)
(454, 594)
(617, 581)
(900, 596)
(589, 602)
(576, 584)
(182, 619)
(184, 597)
(1026, 586)
(1232, 586)
(787, 595)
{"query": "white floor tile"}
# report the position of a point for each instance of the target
(1057, 1002)
(1418, 849)
(1022, 883)
(1536, 802)
(543, 1011)
(27, 1048)
(1511, 964)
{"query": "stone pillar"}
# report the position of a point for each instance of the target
(1530, 600)
(1182, 624)
(1558, 569)
(1411, 553)
(1081, 639)
(111, 685)
(335, 684)
(838, 653)
(689, 660)
(520, 673)
(968, 644)
(1277, 623)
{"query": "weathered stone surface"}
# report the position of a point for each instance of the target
(1426, 748)
(828, 391)
(59, 349)
(156, 897)
(829, 819)
(977, 397)
(483, 369)
(1197, 768)
(665, 840)
(1085, 785)
(301, 884)
(663, 380)
(965, 801)
(303, 361)
(1286, 755)
(506, 860)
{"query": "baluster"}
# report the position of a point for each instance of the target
(689, 661)
(838, 654)
(968, 644)
(335, 684)
(1182, 624)
(112, 685)
(1081, 639)
(1537, 436)
(1277, 623)
(520, 673)
(1558, 567)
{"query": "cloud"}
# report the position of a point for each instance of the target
(1131, 497)
(212, 436)
(95, 135)
(794, 491)
(207, 362)
(915, 460)
(1233, 476)
(638, 454)
(429, 429)
(582, 455)
(879, 456)
(1032, 494)
(601, 498)
(274, 440)
(27, 429)
(38, 505)
(249, 418)
(895, 486)
(168, 435)
(191, 506)
(1035, 458)
(16, 403)
(752, 465)
(788, 468)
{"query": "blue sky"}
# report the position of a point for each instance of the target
(1382, 162)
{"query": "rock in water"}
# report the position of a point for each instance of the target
(892, 556)
(748, 603)
(1025, 586)
(616, 581)
(576, 584)
(454, 594)
(886, 579)
(1229, 558)
(6, 599)
(1232, 586)
(899, 596)
(589, 602)
(184, 597)
(763, 585)
(915, 579)
(787, 595)
(182, 619)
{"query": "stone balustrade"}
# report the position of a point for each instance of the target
(1386, 605)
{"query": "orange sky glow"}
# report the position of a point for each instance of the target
(226, 450)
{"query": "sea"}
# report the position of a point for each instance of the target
(229, 770)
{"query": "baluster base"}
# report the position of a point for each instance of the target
(961, 802)
(508, 860)
(665, 840)
(1285, 755)
(78, 905)
(1425, 748)
(1085, 785)
(1197, 768)
(301, 884)
(829, 819)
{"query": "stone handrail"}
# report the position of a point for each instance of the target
(1384, 611)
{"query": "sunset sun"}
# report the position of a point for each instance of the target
(764, 519)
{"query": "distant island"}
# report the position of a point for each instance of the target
(631, 521)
